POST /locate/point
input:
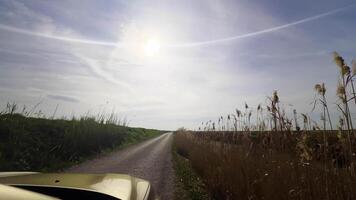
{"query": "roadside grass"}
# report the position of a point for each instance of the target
(40, 144)
(263, 153)
(188, 185)
(250, 170)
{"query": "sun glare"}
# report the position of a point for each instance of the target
(152, 47)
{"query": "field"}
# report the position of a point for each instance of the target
(46, 144)
(275, 156)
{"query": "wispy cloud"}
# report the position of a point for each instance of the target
(63, 50)
(192, 44)
(57, 37)
(63, 98)
(268, 30)
(97, 69)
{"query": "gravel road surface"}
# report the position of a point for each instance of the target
(150, 160)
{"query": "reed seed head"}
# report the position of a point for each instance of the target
(320, 89)
(345, 70)
(238, 112)
(339, 61)
(317, 87)
(275, 98)
(305, 118)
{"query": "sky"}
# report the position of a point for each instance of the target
(166, 64)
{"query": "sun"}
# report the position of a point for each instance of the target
(152, 47)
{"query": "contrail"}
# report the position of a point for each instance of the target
(276, 28)
(209, 42)
(55, 37)
(101, 73)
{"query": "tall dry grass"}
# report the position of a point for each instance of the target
(269, 165)
(273, 157)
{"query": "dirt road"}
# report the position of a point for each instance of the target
(150, 160)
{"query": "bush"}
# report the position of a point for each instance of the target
(46, 144)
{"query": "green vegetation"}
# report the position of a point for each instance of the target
(40, 144)
(272, 157)
(188, 184)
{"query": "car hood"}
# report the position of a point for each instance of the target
(120, 186)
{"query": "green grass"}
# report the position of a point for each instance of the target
(38, 144)
(188, 185)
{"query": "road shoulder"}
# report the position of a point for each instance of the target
(188, 185)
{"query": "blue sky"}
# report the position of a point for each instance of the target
(213, 56)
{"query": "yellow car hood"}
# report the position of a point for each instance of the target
(120, 186)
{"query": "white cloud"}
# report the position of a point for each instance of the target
(50, 54)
